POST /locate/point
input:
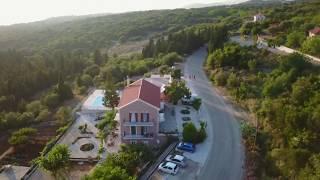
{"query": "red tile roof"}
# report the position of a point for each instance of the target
(315, 30)
(142, 90)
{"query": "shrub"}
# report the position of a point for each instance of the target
(191, 134)
(196, 103)
(202, 134)
(221, 78)
(232, 81)
(34, 107)
(247, 130)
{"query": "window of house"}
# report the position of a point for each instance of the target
(145, 117)
(133, 117)
(133, 142)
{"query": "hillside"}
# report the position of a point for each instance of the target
(89, 33)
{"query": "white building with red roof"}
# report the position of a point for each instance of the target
(314, 32)
(139, 113)
(258, 17)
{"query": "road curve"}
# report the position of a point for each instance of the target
(226, 155)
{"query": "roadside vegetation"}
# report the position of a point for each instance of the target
(283, 94)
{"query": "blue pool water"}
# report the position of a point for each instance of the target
(98, 102)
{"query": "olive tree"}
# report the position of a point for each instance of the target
(56, 161)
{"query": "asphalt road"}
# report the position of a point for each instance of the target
(226, 155)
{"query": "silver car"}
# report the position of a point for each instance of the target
(177, 159)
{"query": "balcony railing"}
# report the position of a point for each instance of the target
(137, 123)
(138, 136)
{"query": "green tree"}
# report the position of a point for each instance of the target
(312, 46)
(56, 161)
(232, 80)
(108, 172)
(189, 133)
(51, 100)
(86, 80)
(164, 69)
(26, 117)
(63, 115)
(22, 136)
(202, 134)
(43, 115)
(111, 97)
(171, 58)
(295, 39)
(97, 57)
(176, 74)
(34, 107)
(312, 170)
(301, 90)
(252, 64)
(176, 91)
(64, 91)
(92, 70)
(221, 78)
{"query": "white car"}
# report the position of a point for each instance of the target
(177, 159)
(169, 167)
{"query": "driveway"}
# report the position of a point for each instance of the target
(225, 155)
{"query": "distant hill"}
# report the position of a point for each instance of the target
(231, 2)
(97, 31)
(203, 5)
(102, 31)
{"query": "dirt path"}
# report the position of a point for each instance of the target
(8, 151)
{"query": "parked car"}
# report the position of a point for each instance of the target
(185, 146)
(177, 159)
(186, 119)
(188, 100)
(169, 167)
(99, 118)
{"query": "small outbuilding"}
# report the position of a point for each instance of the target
(314, 32)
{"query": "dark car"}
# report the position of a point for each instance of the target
(185, 146)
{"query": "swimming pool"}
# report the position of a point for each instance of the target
(98, 102)
(95, 102)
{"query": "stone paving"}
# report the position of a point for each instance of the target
(75, 139)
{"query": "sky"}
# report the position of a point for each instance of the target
(22, 11)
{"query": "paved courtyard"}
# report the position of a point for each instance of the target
(75, 139)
